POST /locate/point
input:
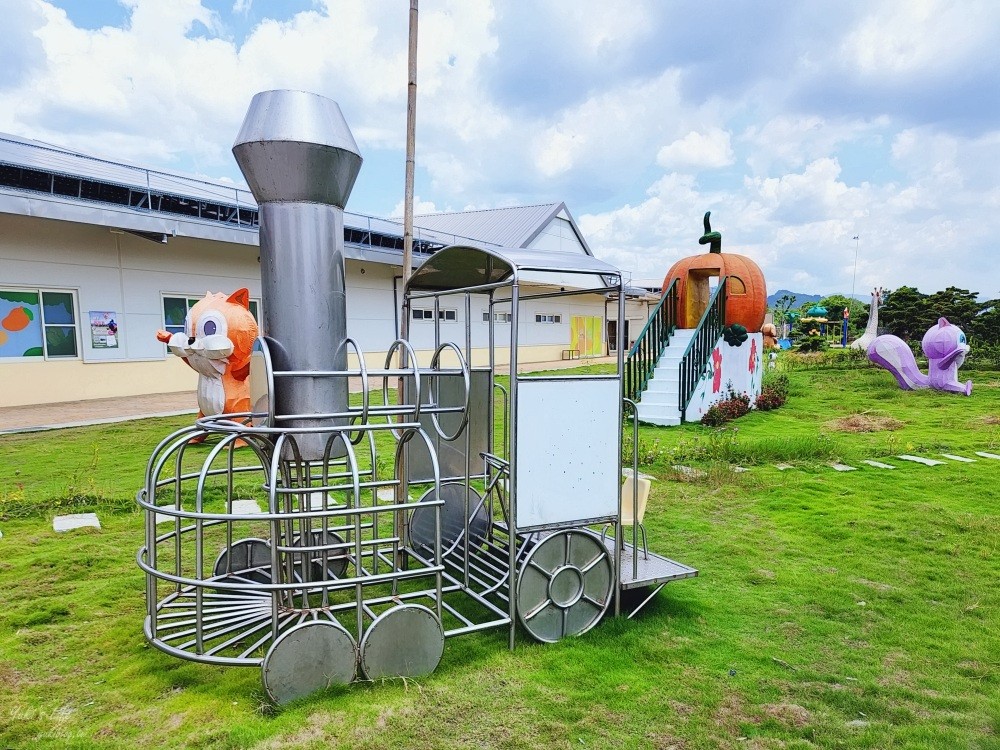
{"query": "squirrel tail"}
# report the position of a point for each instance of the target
(893, 354)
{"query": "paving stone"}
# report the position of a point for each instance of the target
(879, 465)
(75, 521)
(165, 518)
(738, 469)
(783, 467)
(245, 507)
(984, 454)
(961, 459)
(689, 471)
(843, 467)
(921, 460)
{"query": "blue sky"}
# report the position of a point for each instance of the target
(799, 125)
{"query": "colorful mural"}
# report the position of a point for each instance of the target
(586, 335)
(20, 324)
(736, 368)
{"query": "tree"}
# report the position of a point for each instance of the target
(959, 306)
(985, 327)
(835, 305)
(906, 313)
(781, 308)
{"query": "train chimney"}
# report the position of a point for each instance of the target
(300, 160)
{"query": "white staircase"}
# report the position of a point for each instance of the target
(658, 404)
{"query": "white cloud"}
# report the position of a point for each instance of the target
(920, 36)
(708, 150)
(816, 141)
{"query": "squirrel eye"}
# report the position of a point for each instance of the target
(211, 323)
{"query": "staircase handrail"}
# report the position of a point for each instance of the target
(650, 343)
(698, 350)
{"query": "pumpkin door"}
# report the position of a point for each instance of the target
(746, 300)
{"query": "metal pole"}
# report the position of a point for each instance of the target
(857, 242)
(411, 127)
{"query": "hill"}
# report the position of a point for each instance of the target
(800, 298)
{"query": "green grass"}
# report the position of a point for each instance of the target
(855, 610)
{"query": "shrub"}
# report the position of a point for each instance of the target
(773, 392)
(735, 405)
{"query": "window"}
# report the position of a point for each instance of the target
(38, 323)
(175, 310)
(423, 313)
(547, 318)
(498, 317)
(736, 285)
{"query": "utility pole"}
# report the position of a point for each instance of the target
(411, 128)
(402, 489)
(857, 242)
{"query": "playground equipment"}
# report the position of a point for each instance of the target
(871, 330)
(391, 524)
(747, 293)
(944, 346)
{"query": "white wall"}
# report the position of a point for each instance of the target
(129, 276)
(558, 235)
(121, 273)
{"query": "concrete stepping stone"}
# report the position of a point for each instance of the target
(843, 467)
(921, 460)
(879, 465)
(75, 521)
(783, 467)
(738, 469)
(166, 517)
(961, 459)
(245, 507)
(984, 454)
(689, 471)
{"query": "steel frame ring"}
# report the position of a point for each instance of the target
(435, 364)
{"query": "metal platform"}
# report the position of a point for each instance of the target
(653, 570)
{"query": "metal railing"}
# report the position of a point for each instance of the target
(699, 349)
(650, 343)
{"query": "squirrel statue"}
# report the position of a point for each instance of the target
(217, 341)
(945, 347)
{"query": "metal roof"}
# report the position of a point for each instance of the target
(515, 226)
(52, 182)
(467, 266)
(50, 158)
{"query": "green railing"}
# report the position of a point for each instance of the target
(700, 348)
(649, 344)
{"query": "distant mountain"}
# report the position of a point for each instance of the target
(800, 298)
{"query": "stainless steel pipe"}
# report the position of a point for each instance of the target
(300, 160)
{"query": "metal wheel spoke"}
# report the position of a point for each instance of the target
(569, 541)
(540, 569)
(590, 566)
(537, 609)
(563, 626)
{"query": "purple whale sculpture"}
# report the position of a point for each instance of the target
(945, 347)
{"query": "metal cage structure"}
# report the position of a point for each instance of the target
(431, 502)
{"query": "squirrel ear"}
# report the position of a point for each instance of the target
(240, 297)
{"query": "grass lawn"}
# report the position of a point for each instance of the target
(833, 610)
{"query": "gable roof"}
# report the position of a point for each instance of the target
(514, 226)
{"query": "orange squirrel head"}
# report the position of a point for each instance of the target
(218, 336)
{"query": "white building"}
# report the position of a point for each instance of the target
(96, 256)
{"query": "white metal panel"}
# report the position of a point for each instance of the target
(567, 451)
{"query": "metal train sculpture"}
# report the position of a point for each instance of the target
(391, 524)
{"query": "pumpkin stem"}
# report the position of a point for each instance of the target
(710, 238)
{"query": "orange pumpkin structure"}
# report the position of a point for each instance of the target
(746, 300)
